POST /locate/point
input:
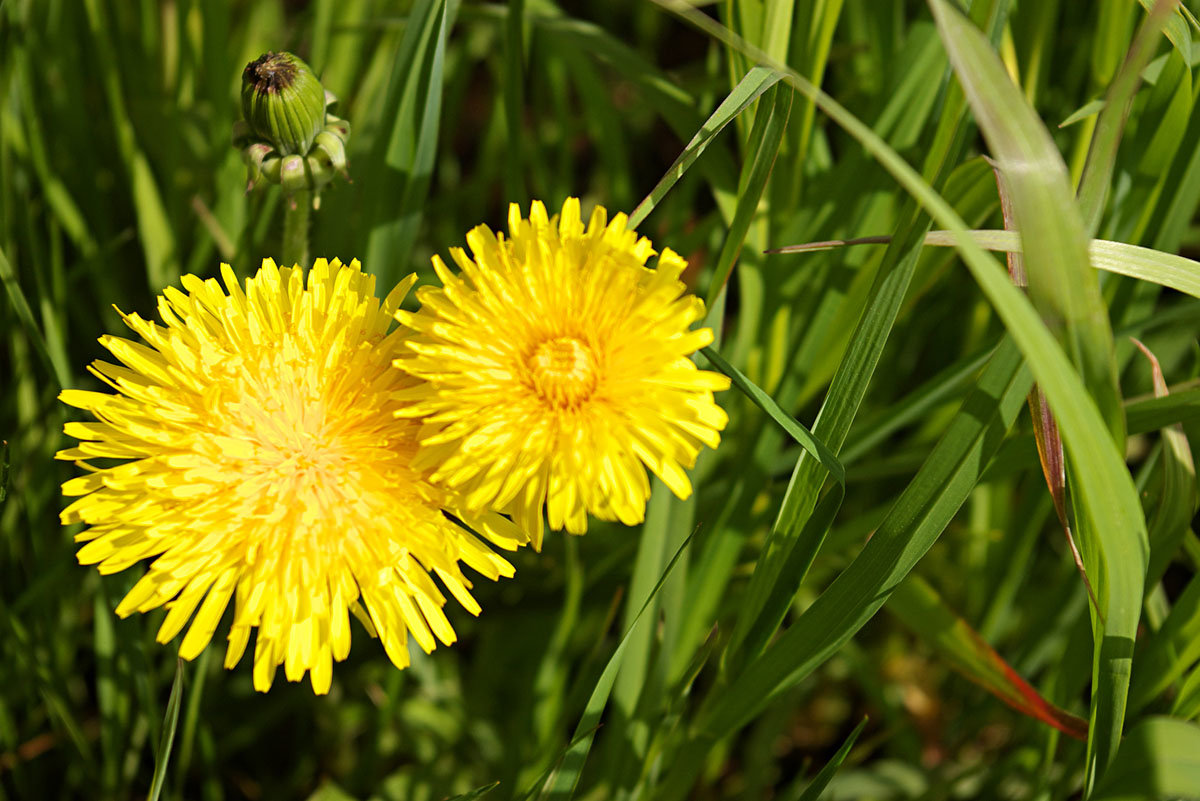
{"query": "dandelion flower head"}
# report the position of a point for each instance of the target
(252, 451)
(556, 370)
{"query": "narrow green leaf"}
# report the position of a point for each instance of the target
(56, 361)
(1102, 155)
(911, 527)
(414, 99)
(1177, 503)
(170, 721)
(1166, 269)
(1172, 649)
(566, 779)
(478, 792)
(817, 786)
(748, 89)
(1065, 290)
(919, 607)
(766, 136)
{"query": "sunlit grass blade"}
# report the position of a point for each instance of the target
(413, 101)
(916, 604)
(478, 792)
(911, 527)
(56, 361)
(1102, 155)
(154, 228)
(170, 721)
(1154, 413)
(1177, 503)
(1065, 290)
(1062, 286)
(749, 88)
(766, 136)
(1171, 651)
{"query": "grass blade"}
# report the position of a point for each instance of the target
(415, 93)
(817, 786)
(749, 88)
(919, 607)
(1102, 154)
(170, 721)
(767, 135)
(1065, 290)
(567, 777)
(1146, 264)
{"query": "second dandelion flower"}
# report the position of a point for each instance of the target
(556, 371)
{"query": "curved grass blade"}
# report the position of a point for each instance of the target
(56, 360)
(817, 449)
(1178, 407)
(1067, 294)
(1171, 650)
(1187, 703)
(170, 721)
(478, 792)
(909, 530)
(1177, 503)
(749, 88)
(919, 607)
(1061, 285)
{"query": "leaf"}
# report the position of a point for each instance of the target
(170, 721)
(749, 88)
(1160, 758)
(1166, 269)
(1066, 293)
(413, 105)
(765, 137)
(910, 528)
(817, 786)
(569, 770)
(1177, 504)
(919, 607)
(1102, 154)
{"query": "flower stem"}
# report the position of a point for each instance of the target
(296, 212)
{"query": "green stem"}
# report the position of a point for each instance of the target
(296, 211)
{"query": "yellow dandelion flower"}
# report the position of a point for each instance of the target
(260, 459)
(557, 366)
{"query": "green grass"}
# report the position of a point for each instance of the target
(880, 455)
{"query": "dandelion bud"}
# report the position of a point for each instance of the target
(283, 102)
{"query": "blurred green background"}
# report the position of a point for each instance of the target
(117, 175)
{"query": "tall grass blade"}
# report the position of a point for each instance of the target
(1066, 292)
(749, 88)
(1102, 154)
(414, 100)
(170, 721)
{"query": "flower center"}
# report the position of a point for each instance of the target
(563, 371)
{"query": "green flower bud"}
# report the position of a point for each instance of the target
(283, 102)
